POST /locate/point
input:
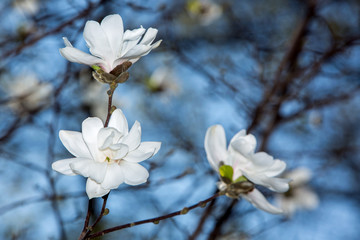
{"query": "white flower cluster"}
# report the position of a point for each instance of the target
(109, 155)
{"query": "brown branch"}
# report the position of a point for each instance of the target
(109, 112)
(226, 215)
(202, 220)
(157, 219)
(87, 230)
(321, 103)
(287, 65)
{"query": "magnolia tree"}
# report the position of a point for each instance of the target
(108, 154)
(243, 119)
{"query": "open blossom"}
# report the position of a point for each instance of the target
(244, 167)
(299, 196)
(107, 156)
(109, 45)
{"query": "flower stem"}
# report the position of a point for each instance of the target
(86, 231)
(157, 219)
(110, 93)
(87, 219)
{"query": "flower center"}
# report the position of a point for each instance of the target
(111, 161)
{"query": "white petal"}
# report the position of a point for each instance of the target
(137, 156)
(135, 174)
(243, 144)
(278, 184)
(90, 129)
(98, 42)
(119, 122)
(133, 139)
(63, 166)
(276, 168)
(114, 29)
(131, 39)
(120, 151)
(67, 42)
(113, 178)
(143, 152)
(274, 184)
(133, 35)
(107, 136)
(215, 146)
(155, 45)
(149, 36)
(256, 198)
(150, 146)
(74, 143)
(75, 55)
(262, 159)
(94, 170)
(94, 189)
(137, 51)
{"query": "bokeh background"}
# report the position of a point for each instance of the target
(288, 71)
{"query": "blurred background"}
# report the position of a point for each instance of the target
(287, 71)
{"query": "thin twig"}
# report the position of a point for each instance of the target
(157, 219)
(90, 229)
(87, 219)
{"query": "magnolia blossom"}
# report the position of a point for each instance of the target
(256, 168)
(27, 93)
(107, 156)
(299, 196)
(109, 45)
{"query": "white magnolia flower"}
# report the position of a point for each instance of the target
(109, 45)
(107, 156)
(299, 196)
(27, 93)
(246, 165)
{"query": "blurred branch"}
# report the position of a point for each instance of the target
(57, 29)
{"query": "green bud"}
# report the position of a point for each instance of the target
(226, 173)
(203, 204)
(95, 67)
(185, 210)
(113, 108)
(156, 222)
(235, 189)
(241, 179)
(106, 212)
